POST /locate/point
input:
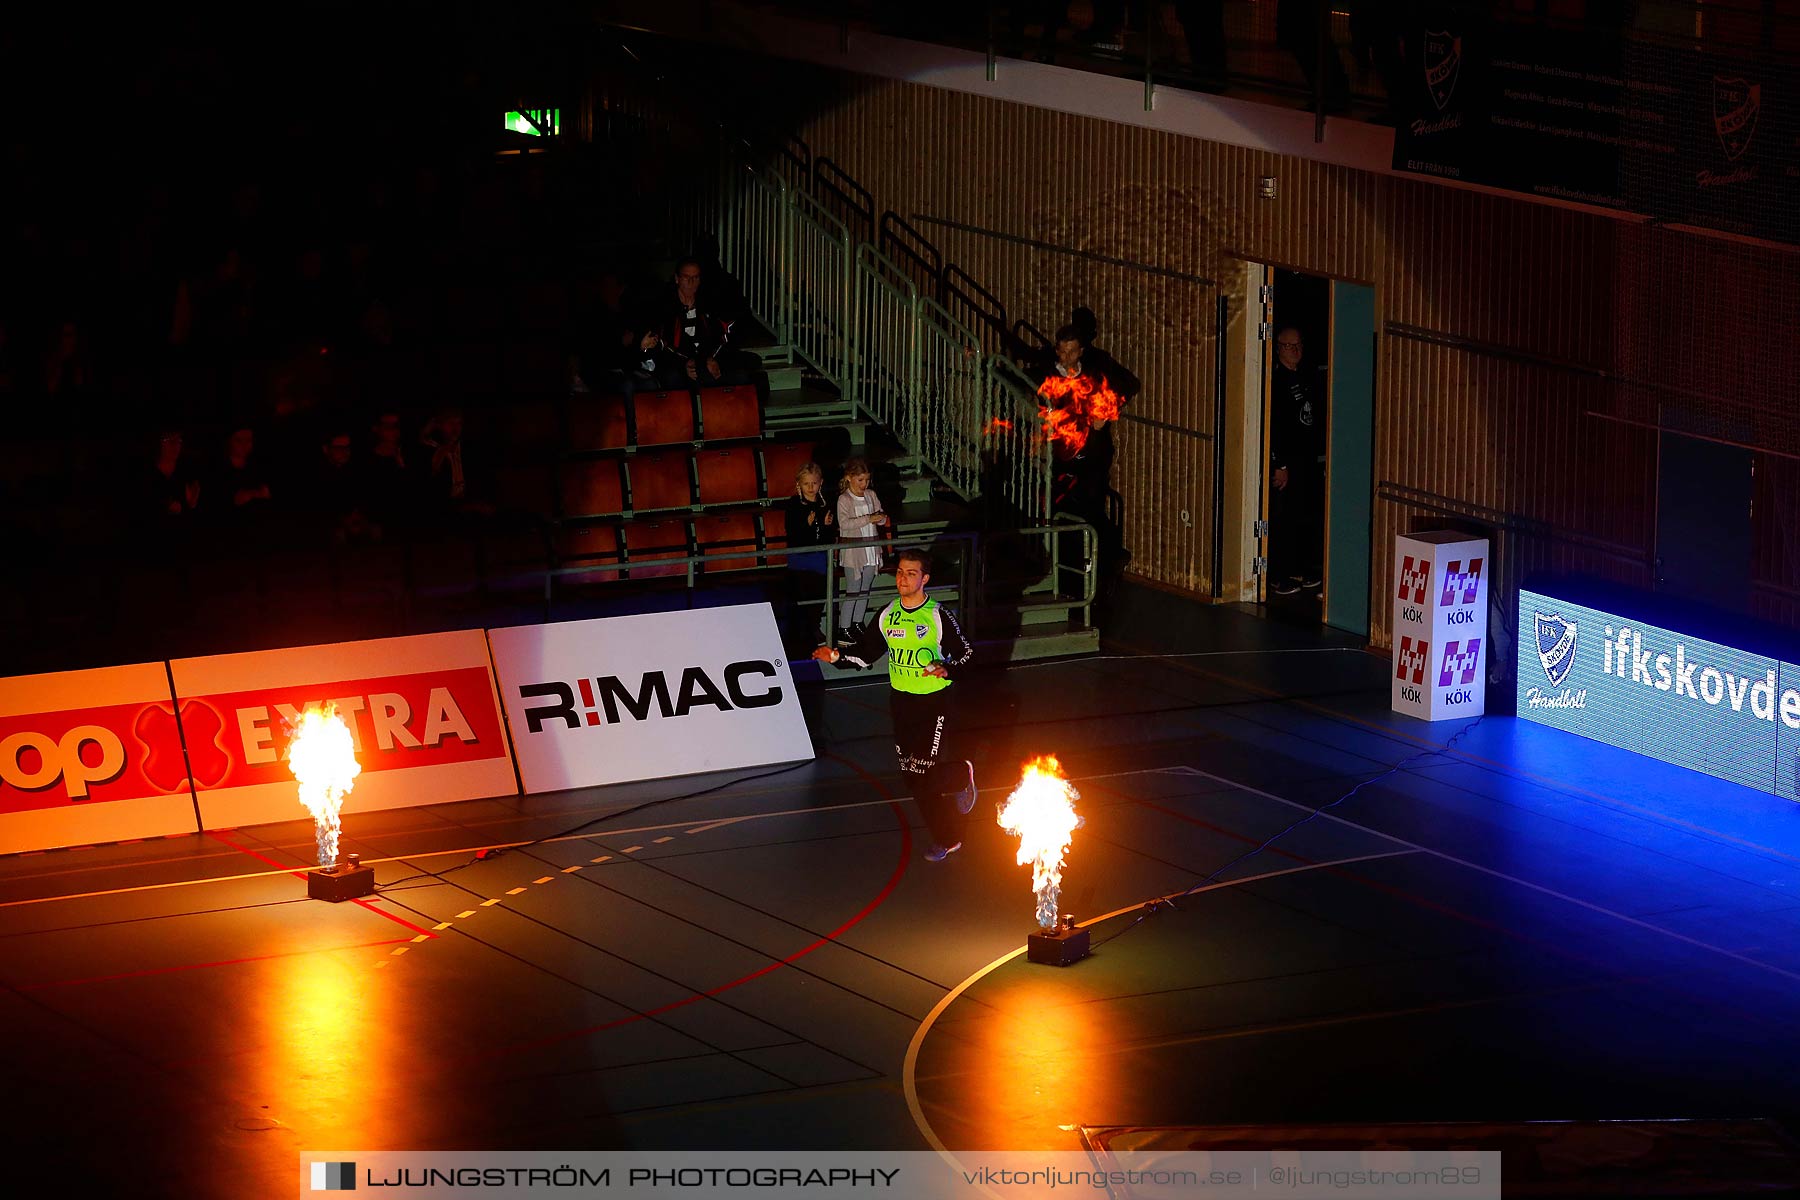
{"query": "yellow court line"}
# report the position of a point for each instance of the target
(545, 879)
(515, 891)
(491, 903)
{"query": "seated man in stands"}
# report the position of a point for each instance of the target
(682, 344)
(335, 497)
(456, 475)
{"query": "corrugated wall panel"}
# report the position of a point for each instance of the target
(1542, 308)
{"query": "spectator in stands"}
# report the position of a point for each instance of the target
(682, 344)
(609, 346)
(810, 523)
(453, 476)
(388, 482)
(859, 518)
(67, 375)
(1047, 15)
(238, 496)
(171, 492)
(1296, 469)
(337, 495)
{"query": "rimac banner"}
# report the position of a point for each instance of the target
(1669, 695)
(646, 697)
(90, 756)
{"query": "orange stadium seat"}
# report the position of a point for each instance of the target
(597, 423)
(727, 476)
(661, 479)
(591, 488)
(664, 418)
(727, 531)
(647, 541)
(780, 461)
(589, 543)
(730, 412)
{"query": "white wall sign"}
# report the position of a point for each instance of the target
(647, 697)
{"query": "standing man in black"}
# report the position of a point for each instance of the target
(1296, 469)
(1082, 463)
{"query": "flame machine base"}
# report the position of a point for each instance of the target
(1059, 947)
(345, 881)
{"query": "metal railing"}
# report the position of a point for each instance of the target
(970, 579)
(858, 318)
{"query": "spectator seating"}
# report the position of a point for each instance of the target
(727, 475)
(661, 479)
(780, 461)
(664, 418)
(598, 423)
(591, 488)
(648, 541)
(714, 532)
(730, 412)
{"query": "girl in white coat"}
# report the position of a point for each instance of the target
(859, 517)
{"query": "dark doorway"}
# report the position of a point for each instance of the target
(1298, 440)
(1703, 497)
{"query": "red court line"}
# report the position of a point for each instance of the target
(362, 903)
(881, 897)
(223, 962)
(216, 836)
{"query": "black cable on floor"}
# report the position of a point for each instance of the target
(1154, 906)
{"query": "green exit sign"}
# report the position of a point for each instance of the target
(536, 122)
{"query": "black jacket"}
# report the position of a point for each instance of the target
(1296, 419)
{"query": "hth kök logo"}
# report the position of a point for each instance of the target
(1457, 580)
(1412, 659)
(1415, 577)
(1459, 591)
(1459, 664)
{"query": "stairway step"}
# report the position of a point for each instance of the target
(784, 377)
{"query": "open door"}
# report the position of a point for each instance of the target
(1350, 461)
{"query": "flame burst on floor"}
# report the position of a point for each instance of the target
(1041, 813)
(322, 755)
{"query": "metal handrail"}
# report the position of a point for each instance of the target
(857, 317)
(971, 586)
